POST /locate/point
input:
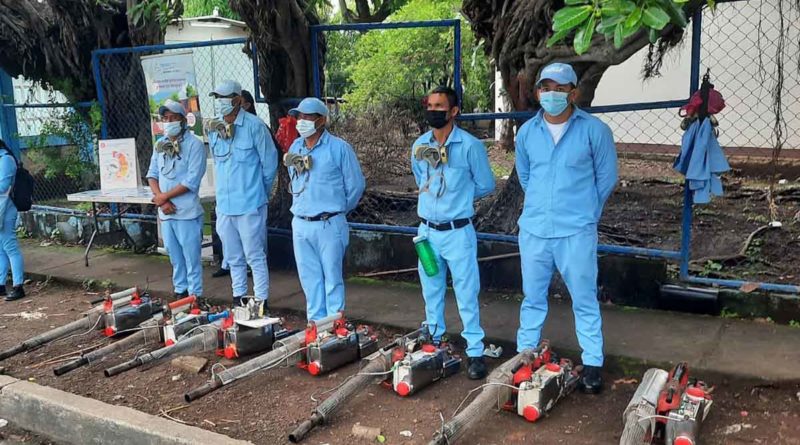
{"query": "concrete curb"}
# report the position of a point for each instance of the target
(79, 420)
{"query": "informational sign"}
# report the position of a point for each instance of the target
(118, 165)
(172, 76)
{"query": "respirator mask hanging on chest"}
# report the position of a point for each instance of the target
(219, 126)
(168, 147)
(434, 156)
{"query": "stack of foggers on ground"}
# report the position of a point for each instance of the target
(325, 345)
(406, 365)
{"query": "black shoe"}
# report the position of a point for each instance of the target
(3, 291)
(239, 301)
(591, 381)
(221, 273)
(179, 295)
(16, 294)
(477, 368)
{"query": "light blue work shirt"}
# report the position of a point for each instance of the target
(452, 187)
(565, 184)
(702, 162)
(245, 166)
(186, 169)
(335, 182)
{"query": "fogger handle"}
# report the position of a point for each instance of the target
(115, 296)
(186, 301)
(214, 317)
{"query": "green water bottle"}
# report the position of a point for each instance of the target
(426, 255)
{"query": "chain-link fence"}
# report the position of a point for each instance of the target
(125, 100)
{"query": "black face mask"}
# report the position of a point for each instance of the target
(436, 118)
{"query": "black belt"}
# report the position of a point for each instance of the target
(455, 224)
(321, 217)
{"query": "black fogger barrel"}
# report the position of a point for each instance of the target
(376, 365)
(205, 340)
(485, 403)
(90, 319)
(285, 349)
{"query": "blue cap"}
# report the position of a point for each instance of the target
(226, 88)
(560, 73)
(310, 105)
(171, 105)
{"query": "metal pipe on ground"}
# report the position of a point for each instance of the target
(205, 340)
(91, 318)
(378, 364)
(141, 337)
(495, 392)
(287, 350)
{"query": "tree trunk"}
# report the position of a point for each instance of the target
(51, 41)
(516, 33)
(280, 31)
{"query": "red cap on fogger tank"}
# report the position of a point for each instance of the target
(314, 368)
(531, 413)
(403, 389)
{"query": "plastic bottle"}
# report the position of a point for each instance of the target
(426, 255)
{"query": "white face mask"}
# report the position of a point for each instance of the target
(306, 127)
(224, 105)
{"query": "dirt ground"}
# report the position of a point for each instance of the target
(266, 406)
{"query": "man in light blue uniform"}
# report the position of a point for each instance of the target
(9, 247)
(176, 169)
(246, 160)
(567, 165)
(447, 191)
(326, 184)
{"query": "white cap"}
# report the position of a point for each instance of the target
(226, 88)
(173, 106)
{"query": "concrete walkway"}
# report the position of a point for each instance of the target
(633, 338)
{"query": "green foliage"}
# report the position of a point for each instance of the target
(78, 130)
(191, 91)
(199, 8)
(727, 313)
(398, 67)
(160, 11)
(338, 62)
(710, 267)
(615, 19)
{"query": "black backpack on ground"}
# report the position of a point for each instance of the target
(22, 189)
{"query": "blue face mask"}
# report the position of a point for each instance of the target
(173, 129)
(224, 105)
(554, 102)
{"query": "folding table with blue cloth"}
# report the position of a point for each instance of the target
(701, 159)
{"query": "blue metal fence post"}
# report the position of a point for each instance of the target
(101, 98)
(457, 62)
(315, 63)
(256, 86)
(694, 85)
(8, 115)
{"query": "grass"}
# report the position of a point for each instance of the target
(500, 171)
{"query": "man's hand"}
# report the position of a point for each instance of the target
(168, 208)
(160, 199)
